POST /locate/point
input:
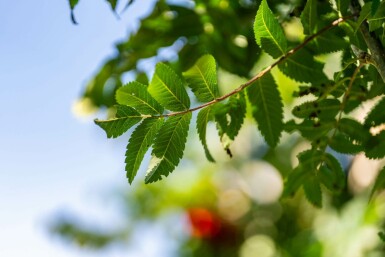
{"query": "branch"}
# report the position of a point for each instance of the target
(376, 49)
(264, 71)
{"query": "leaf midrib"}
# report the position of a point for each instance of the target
(267, 29)
(172, 93)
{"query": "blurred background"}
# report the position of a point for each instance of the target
(63, 190)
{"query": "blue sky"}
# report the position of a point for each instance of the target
(49, 159)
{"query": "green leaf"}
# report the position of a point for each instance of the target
(377, 20)
(325, 109)
(73, 3)
(310, 129)
(379, 183)
(302, 67)
(267, 108)
(328, 42)
(113, 4)
(349, 137)
(364, 14)
(312, 191)
(309, 17)
(230, 116)
(377, 114)
(202, 78)
(168, 147)
(294, 181)
(135, 95)
(168, 89)
(268, 33)
(375, 5)
(140, 140)
(375, 146)
(308, 162)
(342, 6)
(125, 118)
(331, 174)
(204, 116)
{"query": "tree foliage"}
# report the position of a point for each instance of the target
(232, 36)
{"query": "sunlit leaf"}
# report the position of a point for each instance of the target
(309, 17)
(268, 33)
(267, 108)
(302, 67)
(204, 116)
(135, 95)
(202, 78)
(125, 118)
(140, 141)
(168, 147)
(168, 89)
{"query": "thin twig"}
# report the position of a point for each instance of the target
(264, 71)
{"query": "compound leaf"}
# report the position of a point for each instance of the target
(168, 89)
(168, 147)
(267, 108)
(202, 78)
(268, 33)
(135, 95)
(204, 116)
(125, 118)
(140, 140)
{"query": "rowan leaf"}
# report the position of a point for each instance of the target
(309, 17)
(168, 89)
(313, 191)
(135, 95)
(302, 67)
(349, 137)
(325, 109)
(377, 18)
(140, 141)
(375, 146)
(202, 78)
(267, 108)
(204, 116)
(328, 42)
(125, 118)
(377, 115)
(230, 116)
(168, 147)
(342, 6)
(310, 129)
(331, 174)
(73, 3)
(268, 32)
(375, 5)
(365, 13)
